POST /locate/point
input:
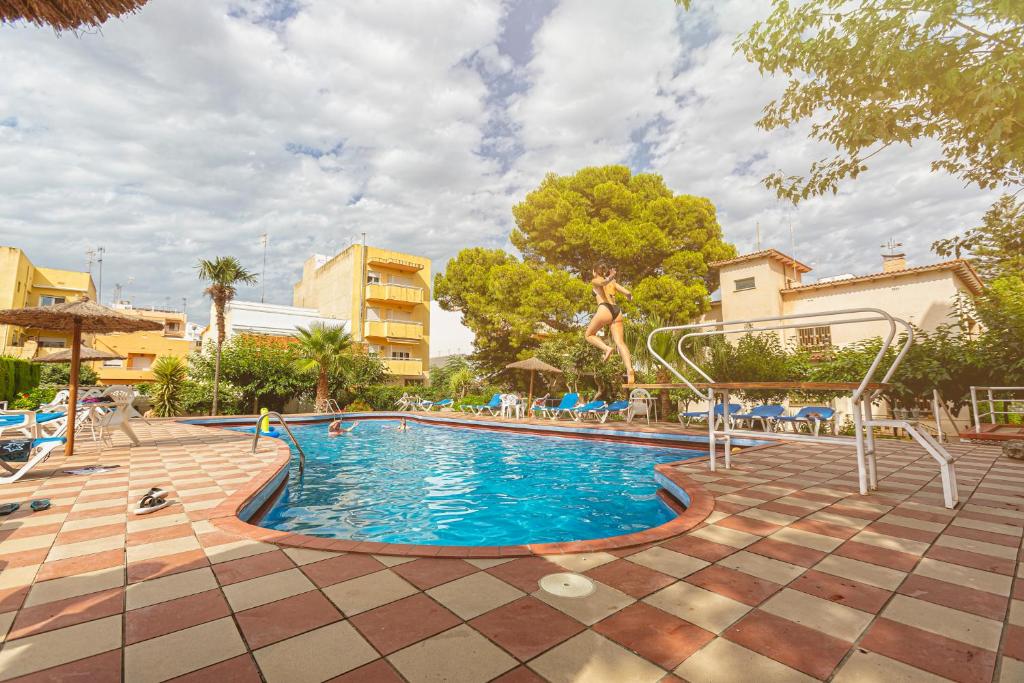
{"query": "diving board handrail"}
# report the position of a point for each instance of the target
(788, 320)
(280, 418)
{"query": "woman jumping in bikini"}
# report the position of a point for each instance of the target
(609, 315)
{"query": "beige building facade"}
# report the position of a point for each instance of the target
(771, 283)
(385, 294)
(139, 350)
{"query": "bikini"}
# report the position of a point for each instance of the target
(615, 310)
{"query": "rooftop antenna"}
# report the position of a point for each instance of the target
(184, 304)
(263, 276)
(892, 245)
(757, 236)
(95, 255)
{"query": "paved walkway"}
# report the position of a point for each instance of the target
(793, 577)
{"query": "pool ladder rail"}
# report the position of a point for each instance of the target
(280, 418)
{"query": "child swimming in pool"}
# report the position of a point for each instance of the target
(403, 426)
(335, 428)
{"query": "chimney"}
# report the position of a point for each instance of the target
(893, 262)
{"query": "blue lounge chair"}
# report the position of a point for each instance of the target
(812, 416)
(685, 418)
(619, 408)
(25, 422)
(443, 403)
(766, 414)
(491, 407)
(566, 405)
(591, 408)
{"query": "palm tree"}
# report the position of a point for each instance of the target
(224, 274)
(169, 372)
(322, 348)
(664, 345)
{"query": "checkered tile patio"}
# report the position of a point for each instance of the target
(792, 577)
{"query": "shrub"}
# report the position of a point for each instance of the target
(60, 374)
(17, 377)
(170, 373)
(358, 407)
(31, 400)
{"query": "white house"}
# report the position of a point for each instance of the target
(271, 320)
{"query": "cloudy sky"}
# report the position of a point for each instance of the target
(190, 128)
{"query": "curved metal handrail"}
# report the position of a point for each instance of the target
(280, 418)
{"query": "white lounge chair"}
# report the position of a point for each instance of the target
(30, 452)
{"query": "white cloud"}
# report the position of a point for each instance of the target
(192, 127)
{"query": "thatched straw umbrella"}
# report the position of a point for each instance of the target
(78, 317)
(84, 354)
(66, 14)
(534, 365)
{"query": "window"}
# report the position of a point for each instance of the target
(815, 338)
(141, 362)
(400, 355)
(372, 278)
(50, 300)
(52, 343)
(744, 284)
(113, 363)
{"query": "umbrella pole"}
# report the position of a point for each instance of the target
(76, 350)
(529, 405)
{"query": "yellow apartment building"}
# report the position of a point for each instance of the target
(386, 295)
(23, 284)
(141, 349)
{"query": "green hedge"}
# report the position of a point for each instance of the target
(17, 377)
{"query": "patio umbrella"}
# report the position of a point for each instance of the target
(66, 14)
(78, 317)
(84, 354)
(534, 365)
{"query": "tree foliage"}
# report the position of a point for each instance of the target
(322, 349)
(261, 371)
(876, 73)
(996, 247)
(660, 243)
(169, 374)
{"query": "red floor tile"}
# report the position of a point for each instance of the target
(852, 511)
(428, 572)
(942, 656)
(174, 615)
(733, 584)
(163, 534)
(842, 591)
(285, 618)
(11, 598)
(792, 510)
(630, 578)
(1013, 641)
(988, 563)
(824, 528)
(749, 525)
(378, 671)
(402, 623)
(337, 569)
(884, 557)
(525, 572)
(902, 531)
(693, 546)
(655, 635)
(80, 535)
(985, 536)
(526, 627)
(103, 667)
(252, 567)
(520, 674)
(241, 669)
(166, 565)
(786, 552)
(955, 596)
(799, 647)
(61, 613)
(25, 558)
(19, 532)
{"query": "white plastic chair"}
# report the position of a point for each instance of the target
(639, 404)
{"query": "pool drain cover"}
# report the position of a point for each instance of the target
(566, 585)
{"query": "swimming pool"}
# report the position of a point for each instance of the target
(445, 485)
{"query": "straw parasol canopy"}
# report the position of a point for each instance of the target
(66, 14)
(76, 317)
(534, 365)
(84, 354)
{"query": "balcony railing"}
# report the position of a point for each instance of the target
(395, 329)
(394, 293)
(404, 366)
(395, 264)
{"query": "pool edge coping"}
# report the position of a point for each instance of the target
(226, 516)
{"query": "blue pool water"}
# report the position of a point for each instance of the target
(455, 486)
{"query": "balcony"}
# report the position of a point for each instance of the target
(394, 294)
(395, 264)
(405, 366)
(393, 329)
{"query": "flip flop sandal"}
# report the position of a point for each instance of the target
(156, 493)
(150, 503)
(40, 505)
(8, 508)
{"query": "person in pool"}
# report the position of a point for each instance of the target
(609, 315)
(403, 426)
(335, 428)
